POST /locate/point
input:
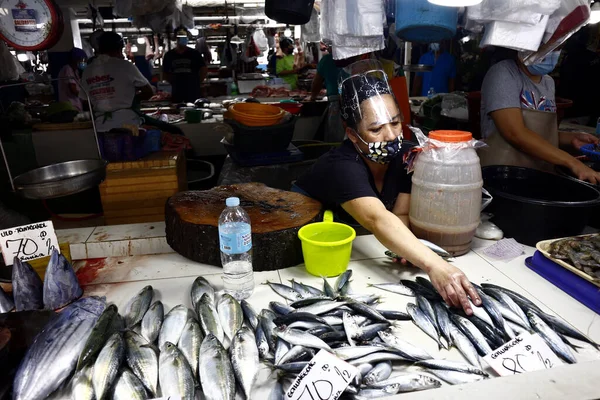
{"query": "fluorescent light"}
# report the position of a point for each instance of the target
(194, 32)
(287, 32)
(141, 40)
(595, 15)
(134, 49)
(160, 48)
(466, 39)
(22, 57)
(236, 40)
(455, 3)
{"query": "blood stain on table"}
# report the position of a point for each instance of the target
(88, 273)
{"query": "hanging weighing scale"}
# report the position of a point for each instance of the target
(30, 25)
(33, 25)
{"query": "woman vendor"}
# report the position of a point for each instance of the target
(519, 120)
(365, 179)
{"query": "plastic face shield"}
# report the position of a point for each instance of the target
(368, 101)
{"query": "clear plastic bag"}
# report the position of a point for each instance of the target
(442, 150)
(260, 39)
(520, 11)
(455, 106)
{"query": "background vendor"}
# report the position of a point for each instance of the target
(365, 180)
(443, 75)
(519, 120)
(286, 68)
(69, 78)
(185, 70)
(113, 84)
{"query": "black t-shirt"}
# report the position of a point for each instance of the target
(342, 175)
(185, 68)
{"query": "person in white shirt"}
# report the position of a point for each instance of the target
(113, 85)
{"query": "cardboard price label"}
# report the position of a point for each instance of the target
(324, 378)
(524, 353)
(28, 242)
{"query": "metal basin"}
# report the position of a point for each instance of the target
(62, 179)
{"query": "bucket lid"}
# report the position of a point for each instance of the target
(451, 136)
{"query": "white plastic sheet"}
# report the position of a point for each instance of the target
(311, 31)
(521, 11)
(513, 35)
(260, 39)
(11, 68)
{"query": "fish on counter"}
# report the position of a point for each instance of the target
(27, 286)
(138, 305)
(61, 286)
(6, 302)
(582, 252)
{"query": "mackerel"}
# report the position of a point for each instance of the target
(216, 372)
(142, 359)
(152, 321)
(137, 306)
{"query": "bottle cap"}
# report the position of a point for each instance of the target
(232, 202)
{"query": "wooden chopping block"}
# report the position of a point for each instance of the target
(192, 223)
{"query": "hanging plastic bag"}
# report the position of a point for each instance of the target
(260, 40)
(571, 16)
(11, 68)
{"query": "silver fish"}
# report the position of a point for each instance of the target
(282, 348)
(369, 332)
(397, 288)
(443, 321)
(231, 315)
(189, 343)
(329, 291)
(352, 352)
(172, 326)
(350, 327)
(322, 307)
(363, 370)
(295, 354)
(284, 291)
(109, 322)
(508, 301)
(216, 372)
(142, 359)
(152, 321)
(61, 286)
(378, 357)
(409, 382)
(495, 314)
(465, 346)
(306, 290)
(474, 334)
(561, 326)
(52, 356)
(280, 308)
(404, 348)
(455, 377)
(107, 365)
(250, 315)
(199, 288)
(423, 322)
(551, 338)
(380, 372)
(6, 302)
(368, 393)
(261, 342)
(437, 250)
(509, 315)
(137, 306)
(481, 313)
(343, 281)
(27, 287)
(81, 387)
(266, 318)
(244, 359)
(451, 365)
(267, 385)
(301, 338)
(427, 309)
(175, 375)
(129, 387)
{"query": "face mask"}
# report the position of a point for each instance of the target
(545, 66)
(182, 41)
(434, 47)
(382, 152)
(82, 65)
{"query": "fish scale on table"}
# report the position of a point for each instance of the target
(284, 338)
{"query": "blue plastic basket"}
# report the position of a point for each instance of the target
(589, 151)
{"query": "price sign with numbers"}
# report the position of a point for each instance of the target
(324, 378)
(28, 242)
(524, 353)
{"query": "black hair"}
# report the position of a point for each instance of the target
(355, 90)
(285, 42)
(109, 42)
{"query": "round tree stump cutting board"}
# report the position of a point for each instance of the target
(276, 216)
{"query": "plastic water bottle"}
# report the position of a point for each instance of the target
(235, 238)
(431, 93)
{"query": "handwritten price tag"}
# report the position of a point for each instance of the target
(324, 378)
(524, 353)
(28, 242)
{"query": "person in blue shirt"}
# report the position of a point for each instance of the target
(441, 79)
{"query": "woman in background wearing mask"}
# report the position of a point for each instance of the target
(69, 75)
(185, 69)
(365, 180)
(286, 67)
(519, 120)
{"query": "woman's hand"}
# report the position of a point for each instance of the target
(581, 139)
(452, 284)
(584, 173)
